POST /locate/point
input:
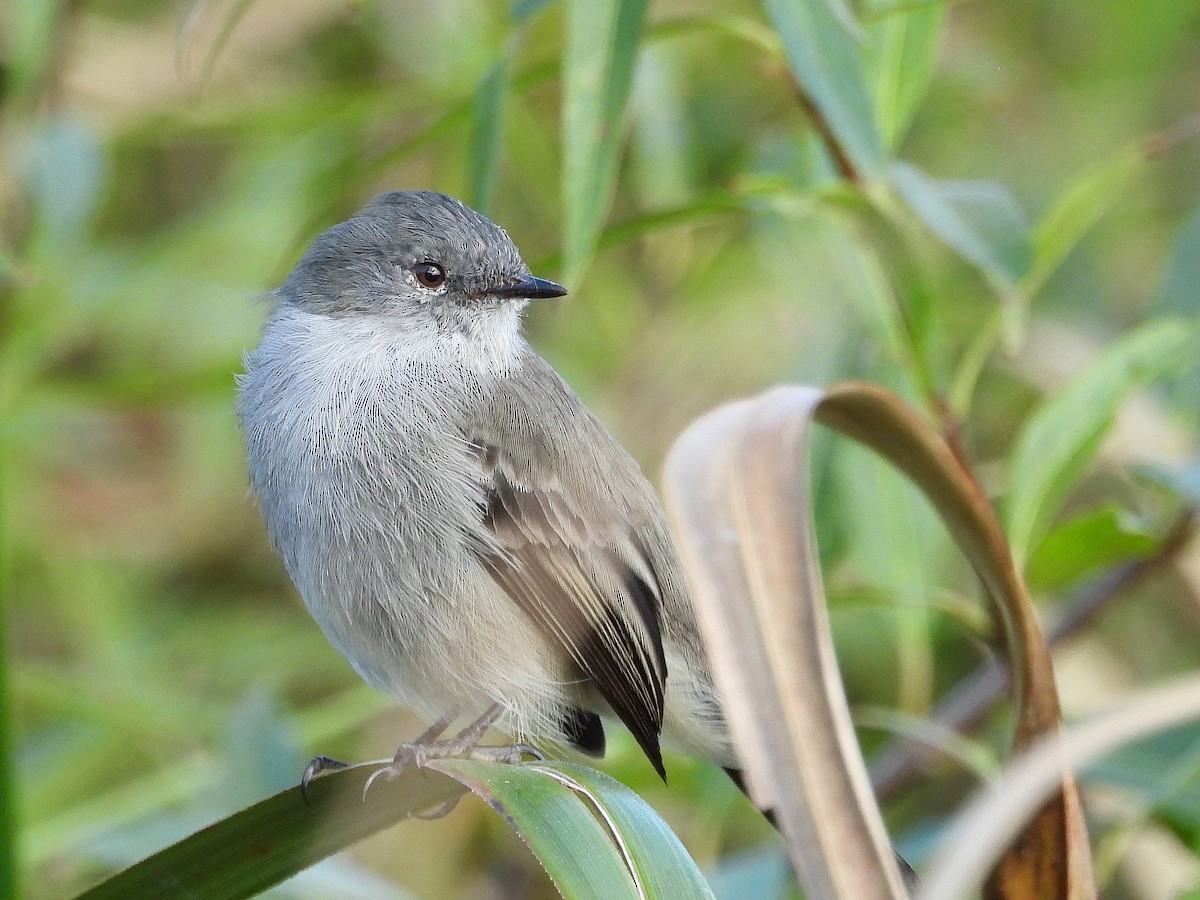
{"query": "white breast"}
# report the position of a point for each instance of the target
(370, 489)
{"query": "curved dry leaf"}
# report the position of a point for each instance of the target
(737, 490)
(1051, 857)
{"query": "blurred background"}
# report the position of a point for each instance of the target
(164, 165)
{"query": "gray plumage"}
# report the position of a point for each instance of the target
(461, 527)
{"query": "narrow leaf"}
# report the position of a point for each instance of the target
(1060, 438)
(892, 538)
(594, 836)
(824, 55)
(979, 220)
(573, 845)
(1077, 209)
(601, 47)
(1052, 851)
(262, 845)
(1100, 537)
(487, 117)
(901, 58)
(661, 863)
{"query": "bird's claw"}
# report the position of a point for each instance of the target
(316, 766)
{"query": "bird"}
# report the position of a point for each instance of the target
(463, 529)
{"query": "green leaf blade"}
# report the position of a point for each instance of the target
(825, 59)
(566, 838)
(601, 48)
(901, 59)
(1100, 537)
(487, 119)
(1060, 438)
(663, 866)
(595, 837)
(264, 844)
(1076, 210)
(979, 220)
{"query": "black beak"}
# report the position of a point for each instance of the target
(529, 288)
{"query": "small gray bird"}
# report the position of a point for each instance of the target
(462, 528)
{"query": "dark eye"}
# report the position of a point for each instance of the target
(430, 274)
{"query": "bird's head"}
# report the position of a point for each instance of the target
(415, 254)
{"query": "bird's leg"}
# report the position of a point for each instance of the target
(464, 744)
(434, 731)
(320, 764)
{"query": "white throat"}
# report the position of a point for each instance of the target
(488, 341)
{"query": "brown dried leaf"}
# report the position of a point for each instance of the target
(1051, 858)
(737, 489)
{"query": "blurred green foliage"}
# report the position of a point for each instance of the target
(996, 214)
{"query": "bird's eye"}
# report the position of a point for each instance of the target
(430, 274)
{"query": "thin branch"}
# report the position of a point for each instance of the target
(837, 153)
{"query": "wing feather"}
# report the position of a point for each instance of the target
(596, 598)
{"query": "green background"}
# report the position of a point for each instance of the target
(161, 166)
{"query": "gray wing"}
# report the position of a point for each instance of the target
(563, 504)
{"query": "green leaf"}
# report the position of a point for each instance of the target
(1076, 210)
(900, 58)
(594, 836)
(980, 220)
(1060, 438)
(824, 55)
(911, 322)
(602, 43)
(662, 866)
(573, 844)
(262, 845)
(1098, 538)
(895, 546)
(487, 117)
(661, 157)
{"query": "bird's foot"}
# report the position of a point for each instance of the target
(464, 745)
